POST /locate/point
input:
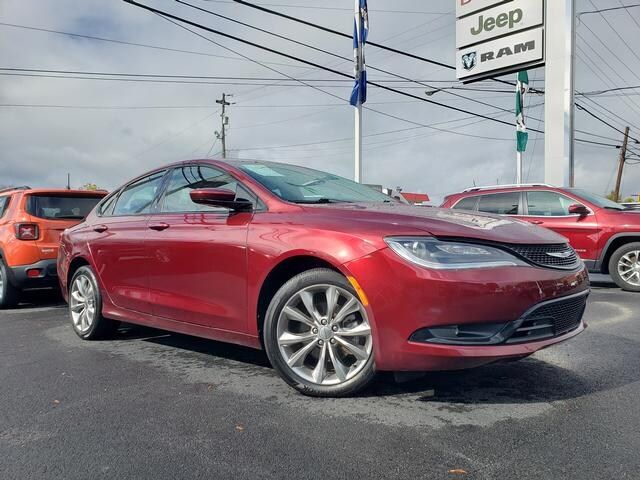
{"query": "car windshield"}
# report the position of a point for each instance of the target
(597, 199)
(304, 185)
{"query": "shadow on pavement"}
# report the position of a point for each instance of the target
(40, 299)
(526, 381)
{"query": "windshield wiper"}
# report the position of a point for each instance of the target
(320, 201)
(619, 209)
(70, 217)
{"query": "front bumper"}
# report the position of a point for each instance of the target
(405, 299)
(42, 274)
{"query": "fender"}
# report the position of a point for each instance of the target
(600, 262)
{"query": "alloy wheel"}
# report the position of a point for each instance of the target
(629, 268)
(82, 303)
(1, 285)
(324, 335)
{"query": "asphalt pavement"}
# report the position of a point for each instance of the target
(148, 404)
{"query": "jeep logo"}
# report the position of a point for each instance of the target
(509, 20)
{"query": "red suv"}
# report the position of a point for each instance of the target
(332, 278)
(31, 221)
(604, 233)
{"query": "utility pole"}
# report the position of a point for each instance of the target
(222, 134)
(623, 159)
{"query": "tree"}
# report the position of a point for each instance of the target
(90, 186)
(612, 196)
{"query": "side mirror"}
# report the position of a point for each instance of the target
(220, 197)
(578, 209)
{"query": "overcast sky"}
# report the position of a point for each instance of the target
(282, 120)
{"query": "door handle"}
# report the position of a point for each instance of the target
(536, 222)
(158, 227)
(100, 228)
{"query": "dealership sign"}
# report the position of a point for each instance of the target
(524, 48)
(497, 37)
(467, 7)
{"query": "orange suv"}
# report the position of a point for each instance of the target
(31, 222)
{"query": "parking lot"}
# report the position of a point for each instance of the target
(148, 404)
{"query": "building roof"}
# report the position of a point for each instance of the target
(415, 197)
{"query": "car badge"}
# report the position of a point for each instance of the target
(565, 254)
(469, 60)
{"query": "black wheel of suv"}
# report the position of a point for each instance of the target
(85, 307)
(318, 337)
(9, 294)
(624, 267)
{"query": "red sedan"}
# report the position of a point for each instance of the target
(333, 279)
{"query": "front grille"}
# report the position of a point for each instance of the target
(560, 256)
(550, 320)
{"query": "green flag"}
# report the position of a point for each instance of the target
(522, 87)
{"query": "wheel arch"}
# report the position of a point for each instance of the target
(614, 244)
(75, 264)
(280, 274)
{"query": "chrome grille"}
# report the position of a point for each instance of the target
(560, 256)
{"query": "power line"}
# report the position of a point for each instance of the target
(297, 42)
(342, 34)
(134, 44)
(292, 57)
(334, 8)
(169, 16)
(627, 7)
(146, 107)
(302, 82)
(209, 77)
(377, 45)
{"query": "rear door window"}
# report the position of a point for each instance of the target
(500, 203)
(138, 197)
(468, 203)
(4, 205)
(60, 207)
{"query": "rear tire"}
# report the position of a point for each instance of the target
(624, 267)
(85, 307)
(9, 295)
(317, 335)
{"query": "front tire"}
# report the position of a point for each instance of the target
(85, 307)
(318, 337)
(624, 267)
(9, 295)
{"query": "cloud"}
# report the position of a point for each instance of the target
(109, 146)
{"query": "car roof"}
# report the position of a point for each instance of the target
(53, 191)
(475, 191)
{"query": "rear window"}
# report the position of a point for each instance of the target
(61, 207)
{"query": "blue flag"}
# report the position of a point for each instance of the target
(359, 93)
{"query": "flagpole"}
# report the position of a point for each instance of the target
(358, 109)
(522, 87)
(519, 168)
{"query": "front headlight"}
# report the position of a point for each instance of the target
(442, 255)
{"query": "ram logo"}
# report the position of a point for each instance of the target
(469, 60)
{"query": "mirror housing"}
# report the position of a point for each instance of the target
(578, 209)
(220, 197)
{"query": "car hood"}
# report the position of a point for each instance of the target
(398, 219)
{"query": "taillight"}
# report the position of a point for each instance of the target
(27, 231)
